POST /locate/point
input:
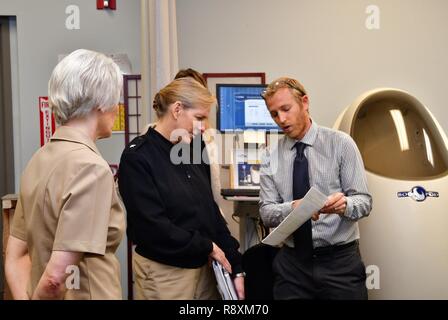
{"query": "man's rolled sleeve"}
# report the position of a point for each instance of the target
(354, 182)
(272, 208)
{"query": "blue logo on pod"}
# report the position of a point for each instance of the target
(418, 193)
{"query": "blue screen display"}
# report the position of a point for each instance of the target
(241, 107)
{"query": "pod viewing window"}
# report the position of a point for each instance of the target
(398, 139)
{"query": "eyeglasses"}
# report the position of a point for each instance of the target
(284, 83)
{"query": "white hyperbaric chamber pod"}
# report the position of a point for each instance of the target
(405, 153)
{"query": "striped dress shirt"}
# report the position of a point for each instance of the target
(334, 165)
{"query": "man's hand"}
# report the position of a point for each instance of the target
(295, 203)
(336, 203)
(315, 215)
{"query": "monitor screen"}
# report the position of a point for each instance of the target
(241, 107)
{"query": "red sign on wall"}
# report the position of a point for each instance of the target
(47, 123)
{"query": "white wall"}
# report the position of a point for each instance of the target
(41, 35)
(325, 44)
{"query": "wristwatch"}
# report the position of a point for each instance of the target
(240, 274)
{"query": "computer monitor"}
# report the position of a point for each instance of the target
(241, 107)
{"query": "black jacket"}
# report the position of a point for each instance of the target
(172, 216)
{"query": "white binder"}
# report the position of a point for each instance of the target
(224, 282)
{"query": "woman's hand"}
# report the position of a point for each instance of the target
(239, 287)
(219, 255)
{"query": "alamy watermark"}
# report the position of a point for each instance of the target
(220, 146)
(73, 280)
(73, 20)
(373, 19)
(372, 277)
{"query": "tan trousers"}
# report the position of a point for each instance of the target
(157, 281)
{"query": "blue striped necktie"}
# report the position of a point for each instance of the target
(303, 241)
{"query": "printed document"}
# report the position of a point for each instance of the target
(313, 201)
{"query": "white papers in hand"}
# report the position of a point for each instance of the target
(224, 282)
(312, 202)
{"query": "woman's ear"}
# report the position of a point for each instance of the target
(176, 109)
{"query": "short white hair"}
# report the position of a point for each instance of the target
(82, 82)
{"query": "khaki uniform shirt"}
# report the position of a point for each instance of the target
(68, 202)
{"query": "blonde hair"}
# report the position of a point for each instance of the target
(81, 82)
(186, 90)
(296, 88)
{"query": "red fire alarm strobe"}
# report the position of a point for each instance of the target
(106, 4)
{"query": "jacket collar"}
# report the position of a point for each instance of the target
(71, 134)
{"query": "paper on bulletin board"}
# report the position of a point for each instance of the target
(245, 170)
(119, 124)
(254, 136)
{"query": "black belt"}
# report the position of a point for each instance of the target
(335, 248)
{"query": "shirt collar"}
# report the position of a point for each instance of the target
(308, 139)
(71, 134)
(164, 142)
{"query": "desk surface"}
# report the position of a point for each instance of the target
(242, 198)
(8, 201)
(240, 192)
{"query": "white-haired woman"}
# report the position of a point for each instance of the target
(68, 222)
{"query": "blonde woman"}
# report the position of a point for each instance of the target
(207, 139)
(172, 216)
